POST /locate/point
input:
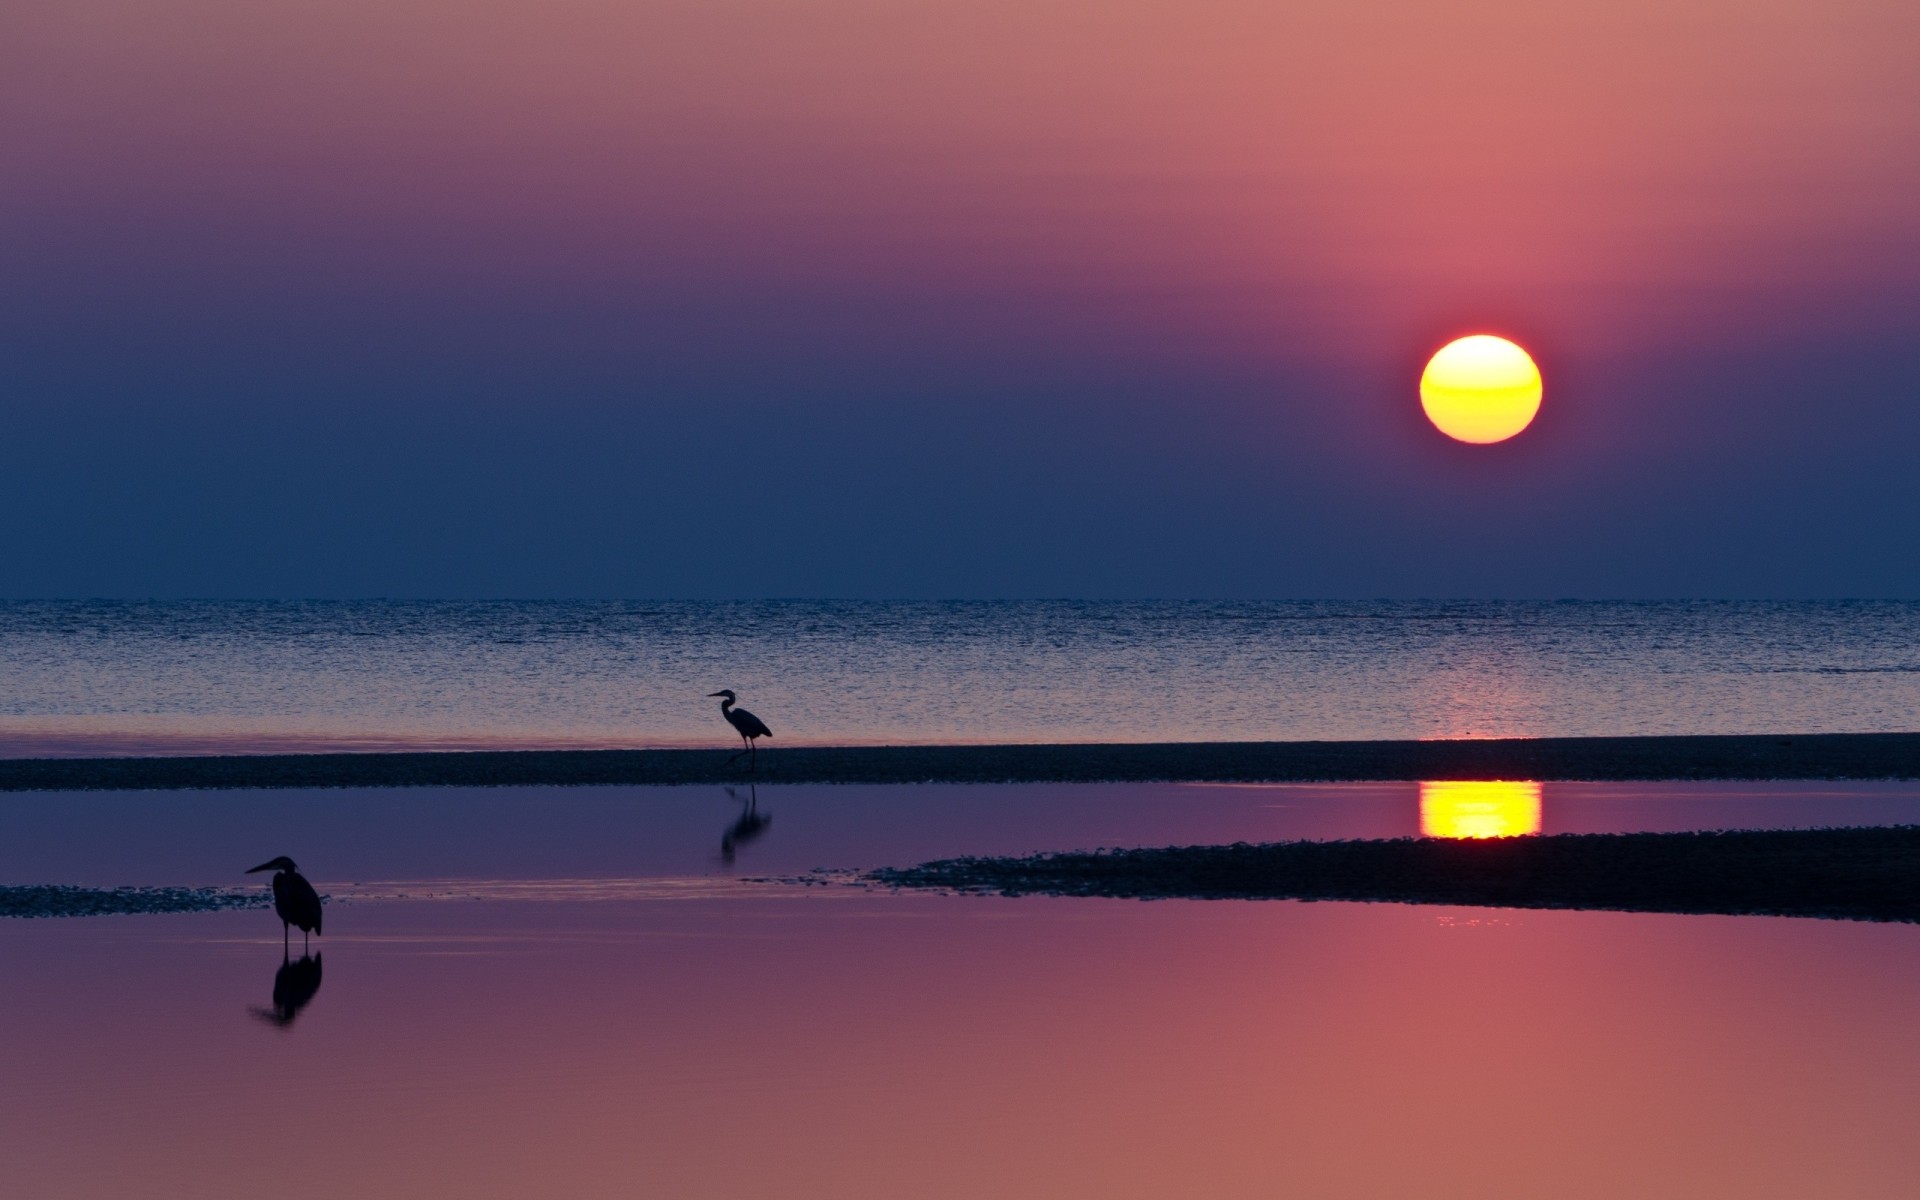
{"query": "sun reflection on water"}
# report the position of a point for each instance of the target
(1479, 809)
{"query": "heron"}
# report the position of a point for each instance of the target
(293, 899)
(744, 723)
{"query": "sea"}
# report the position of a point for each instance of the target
(691, 991)
(180, 677)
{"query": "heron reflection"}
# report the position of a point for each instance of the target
(1457, 808)
(294, 986)
(750, 824)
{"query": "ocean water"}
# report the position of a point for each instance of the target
(607, 992)
(589, 992)
(194, 676)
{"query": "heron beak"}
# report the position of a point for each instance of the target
(265, 866)
(715, 695)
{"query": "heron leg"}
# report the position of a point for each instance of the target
(746, 747)
(286, 938)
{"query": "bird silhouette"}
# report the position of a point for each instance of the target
(294, 984)
(752, 824)
(744, 723)
(293, 899)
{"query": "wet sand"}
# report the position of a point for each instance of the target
(1803, 756)
(63, 900)
(1854, 874)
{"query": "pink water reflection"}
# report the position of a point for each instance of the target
(357, 835)
(887, 1046)
(639, 1021)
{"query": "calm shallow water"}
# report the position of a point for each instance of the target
(939, 1047)
(348, 837)
(706, 1037)
(80, 678)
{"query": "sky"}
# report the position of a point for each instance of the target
(1127, 298)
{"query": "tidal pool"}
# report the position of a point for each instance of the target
(574, 992)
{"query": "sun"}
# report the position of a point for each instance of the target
(1480, 389)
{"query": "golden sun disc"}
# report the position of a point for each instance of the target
(1480, 389)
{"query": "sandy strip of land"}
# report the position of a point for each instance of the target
(1852, 874)
(1784, 756)
(62, 900)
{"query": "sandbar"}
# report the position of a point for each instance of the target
(1863, 874)
(63, 900)
(1755, 757)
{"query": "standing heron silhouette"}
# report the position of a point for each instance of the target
(744, 723)
(293, 899)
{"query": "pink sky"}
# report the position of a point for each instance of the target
(1260, 217)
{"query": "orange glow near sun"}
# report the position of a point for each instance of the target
(1480, 389)
(1458, 809)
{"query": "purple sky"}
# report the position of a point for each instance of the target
(841, 297)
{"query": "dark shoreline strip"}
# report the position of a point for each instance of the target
(1849, 874)
(1800, 756)
(64, 900)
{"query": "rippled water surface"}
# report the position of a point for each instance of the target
(584, 992)
(81, 678)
